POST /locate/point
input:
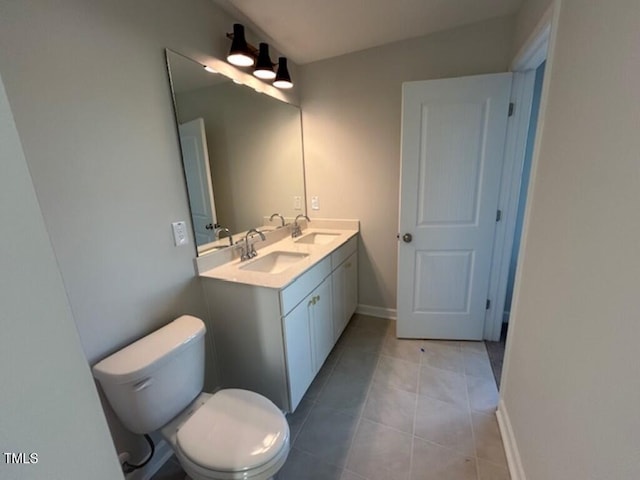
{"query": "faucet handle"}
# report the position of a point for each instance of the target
(243, 255)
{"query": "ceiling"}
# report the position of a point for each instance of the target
(311, 30)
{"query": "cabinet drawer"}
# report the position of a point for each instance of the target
(304, 284)
(342, 253)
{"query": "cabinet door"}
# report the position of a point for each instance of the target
(322, 322)
(350, 268)
(339, 309)
(345, 293)
(299, 350)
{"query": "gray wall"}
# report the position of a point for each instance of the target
(89, 90)
(351, 119)
(570, 387)
(48, 399)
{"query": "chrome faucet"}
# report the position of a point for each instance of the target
(249, 250)
(296, 231)
(277, 215)
(221, 230)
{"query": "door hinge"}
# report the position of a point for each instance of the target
(512, 107)
(498, 215)
(488, 304)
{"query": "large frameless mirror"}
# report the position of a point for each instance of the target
(241, 152)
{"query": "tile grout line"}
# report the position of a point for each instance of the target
(470, 414)
(314, 401)
(361, 413)
(415, 411)
(468, 404)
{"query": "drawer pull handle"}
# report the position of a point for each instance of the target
(315, 299)
(142, 384)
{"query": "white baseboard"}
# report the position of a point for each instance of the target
(510, 446)
(162, 454)
(379, 312)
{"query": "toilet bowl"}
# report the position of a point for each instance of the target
(155, 384)
(232, 434)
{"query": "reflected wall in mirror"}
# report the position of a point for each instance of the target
(242, 152)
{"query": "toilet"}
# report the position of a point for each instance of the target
(155, 384)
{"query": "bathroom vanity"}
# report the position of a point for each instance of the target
(276, 317)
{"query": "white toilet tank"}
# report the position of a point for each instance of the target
(150, 381)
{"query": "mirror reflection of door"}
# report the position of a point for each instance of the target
(193, 142)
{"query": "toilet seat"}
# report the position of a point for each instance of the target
(267, 471)
(235, 434)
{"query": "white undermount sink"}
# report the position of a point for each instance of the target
(274, 262)
(317, 238)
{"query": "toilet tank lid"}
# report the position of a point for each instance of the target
(145, 355)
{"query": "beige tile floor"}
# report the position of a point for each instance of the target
(389, 409)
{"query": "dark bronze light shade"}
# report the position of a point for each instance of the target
(283, 79)
(264, 66)
(239, 54)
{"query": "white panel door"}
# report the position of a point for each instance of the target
(453, 135)
(195, 158)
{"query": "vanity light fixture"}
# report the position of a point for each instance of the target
(243, 54)
(264, 66)
(283, 79)
(240, 54)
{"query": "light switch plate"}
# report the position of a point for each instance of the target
(180, 233)
(315, 203)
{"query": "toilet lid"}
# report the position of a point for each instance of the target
(234, 430)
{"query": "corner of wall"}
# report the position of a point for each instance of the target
(529, 18)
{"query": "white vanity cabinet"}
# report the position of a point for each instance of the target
(274, 340)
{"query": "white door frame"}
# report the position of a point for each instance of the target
(524, 65)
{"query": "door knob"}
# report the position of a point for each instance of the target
(407, 237)
(209, 227)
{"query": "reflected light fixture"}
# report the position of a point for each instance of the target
(264, 66)
(283, 79)
(239, 54)
(209, 69)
